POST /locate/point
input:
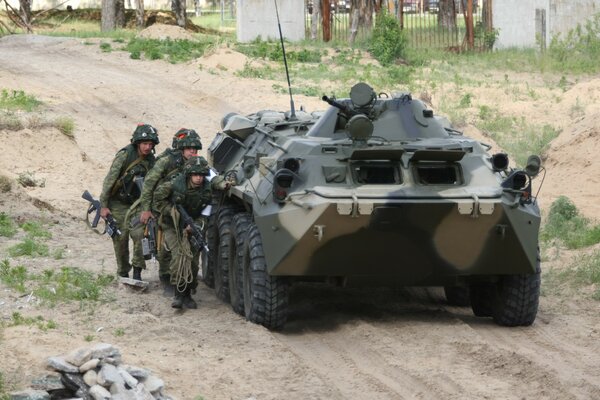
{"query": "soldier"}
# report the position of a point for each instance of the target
(192, 191)
(186, 144)
(120, 190)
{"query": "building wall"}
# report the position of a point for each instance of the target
(258, 18)
(533, 23)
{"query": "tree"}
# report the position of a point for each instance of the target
(315, 18)
(139, 14)
(447, 14)
(362, 15)
(108, 18)
(25, 12)
(178, 8)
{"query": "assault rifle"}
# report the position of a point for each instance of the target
(111, 228)
(197, 238)
(149, 241)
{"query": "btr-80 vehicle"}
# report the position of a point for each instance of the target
(375, 190)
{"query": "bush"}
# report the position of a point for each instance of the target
(7, 226)
(568, 226)
(388, 41)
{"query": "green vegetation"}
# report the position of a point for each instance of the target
(65, 125)
(5, 185)
(565, 225)
(68, 284)
(271, 50)
(3, 388)
(7, 226)
(119, 332)
(388, 41)
(105, 47)
(579, 51)
(583, 272)
(173, 51)
(88, 338)
(35, 229)
(29, 247)
(18, 319)
(17, 100)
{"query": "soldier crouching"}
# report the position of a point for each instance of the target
(187, 194)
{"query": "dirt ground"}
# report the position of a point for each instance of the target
(338, 344)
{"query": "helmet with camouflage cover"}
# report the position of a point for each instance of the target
(145, 133)
(196, 165)
(186, 138)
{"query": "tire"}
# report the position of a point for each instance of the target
(517, 298)
(265, 296)
(482, 299)
(223, 256)
(457, 295)
(240, 224)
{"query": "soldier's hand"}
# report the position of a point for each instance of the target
(104, 212)
(145, 216)
(188, 229)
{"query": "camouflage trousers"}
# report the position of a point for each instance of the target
(173, 244)
(121, 242)
(163, 257)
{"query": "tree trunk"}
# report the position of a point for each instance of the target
(486, 15)
(315, 19)
(353, 26)
(178, 7)
(139, 14)
(108, 22)
(120, 13)
(25, 12)
(447, 14)
(326, 13)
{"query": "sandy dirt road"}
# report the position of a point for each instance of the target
(338, 344)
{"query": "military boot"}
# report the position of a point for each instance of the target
(188, 302)
(137, 273)
(178, 300)
(168, 289)
(124, 275)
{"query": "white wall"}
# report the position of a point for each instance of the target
(258, 18)
(516, 19)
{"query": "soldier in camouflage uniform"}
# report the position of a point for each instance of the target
(186, 144)
(120, 190)
(192, 191)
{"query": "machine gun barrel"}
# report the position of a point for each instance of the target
(342, 107)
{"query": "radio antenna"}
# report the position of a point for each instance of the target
(287, 72)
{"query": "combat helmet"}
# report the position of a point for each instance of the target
(196, 165)
(186, 138)
(143, 133)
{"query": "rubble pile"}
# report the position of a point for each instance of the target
(94, 373)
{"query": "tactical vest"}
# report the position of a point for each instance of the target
(126, 189)
(192, 200)
(175, 163)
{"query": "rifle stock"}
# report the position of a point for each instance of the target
(111, 228)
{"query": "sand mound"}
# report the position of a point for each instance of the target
(224, 59)
(162, 32)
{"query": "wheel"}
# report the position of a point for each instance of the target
(224, 254)
(517, 298)
(240, 223)
(457, 295)
(265, 296)
(481, 299)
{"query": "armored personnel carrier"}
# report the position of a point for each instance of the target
(375, 190)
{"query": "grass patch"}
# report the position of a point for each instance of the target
(566, 225)
(105, 47)
(68, 284)
(28, 179)
(3, 388)
(583, 272)
(65, 125)
(119, 332)
(17, 319)
(174, 51)
(5, 184)
(7, 225)
(29, 247)
(35, 229)
(18, 100)
(9, 121)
